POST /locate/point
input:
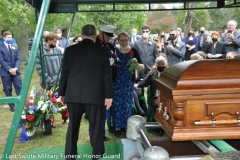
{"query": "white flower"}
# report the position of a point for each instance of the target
(40, 103)
(13, 48)
(150, 43)
(177, 45)
(23, 117)
(44, 107)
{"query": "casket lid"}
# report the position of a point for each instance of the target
(220, 76)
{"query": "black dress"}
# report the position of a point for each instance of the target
(189, 53)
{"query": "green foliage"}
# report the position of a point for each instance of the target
(201, 18)
(160, 21)
(132, 66)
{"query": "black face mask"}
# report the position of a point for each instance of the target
(214, 39)
(162, 36)
(52, 46)
(190, 33)
(172, 38)
(201, 32)
(161, 68)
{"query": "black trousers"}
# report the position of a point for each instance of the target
(95, 115)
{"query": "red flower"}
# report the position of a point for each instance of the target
(49, 95)
(31, 103)
(54, 100)
(30, 117)
(31, 97)
(131, 53)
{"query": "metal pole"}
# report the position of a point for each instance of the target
(145, 138)
(152, 125)
(27, 79)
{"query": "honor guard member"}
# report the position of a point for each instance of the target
(103, 38)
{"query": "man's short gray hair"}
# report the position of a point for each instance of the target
(232, 21)
(89, 30)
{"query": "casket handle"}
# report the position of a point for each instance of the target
(165, 115)
(215, 122)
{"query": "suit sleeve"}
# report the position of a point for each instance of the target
(107, 77)
(236, 40)
(180, 52)
(222, 40)
(3, 63)
(18, 60)
(64, 74)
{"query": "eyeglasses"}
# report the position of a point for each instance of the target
(123, 40)
(145, 31)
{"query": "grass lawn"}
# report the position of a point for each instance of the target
(58, 134)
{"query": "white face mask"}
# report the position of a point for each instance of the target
(145, 35)
(59, 35)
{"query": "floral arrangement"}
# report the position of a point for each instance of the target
(42, 104)
(132, 65)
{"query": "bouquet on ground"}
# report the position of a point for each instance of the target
(41, 105)
(132, 63)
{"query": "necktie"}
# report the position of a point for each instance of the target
(10, 50)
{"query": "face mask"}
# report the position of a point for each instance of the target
(52, 46)
(173, 38)
(145, 35)
(162, 36)
(190, 33)
(133, 34)
(178, 32)
(201, 32)
(59, 35)
(214, 39)
(161, 68)
(9, 41)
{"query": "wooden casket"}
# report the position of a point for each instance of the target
(200, 100)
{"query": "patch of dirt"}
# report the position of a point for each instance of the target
(3, 139)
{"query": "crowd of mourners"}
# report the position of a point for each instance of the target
(151, 54)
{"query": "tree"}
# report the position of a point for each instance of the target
(160, 21)
(15, 16)
(193, 18)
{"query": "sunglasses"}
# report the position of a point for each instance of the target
(145, 31)
(172, 34)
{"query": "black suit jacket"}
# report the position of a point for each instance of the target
(220, 49)
(86, 74)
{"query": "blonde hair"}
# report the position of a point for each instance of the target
(161, 58)
(215, 33)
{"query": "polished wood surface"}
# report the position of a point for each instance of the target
(200, 100)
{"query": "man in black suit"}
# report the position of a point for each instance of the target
(86, 74)
(201, 38)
